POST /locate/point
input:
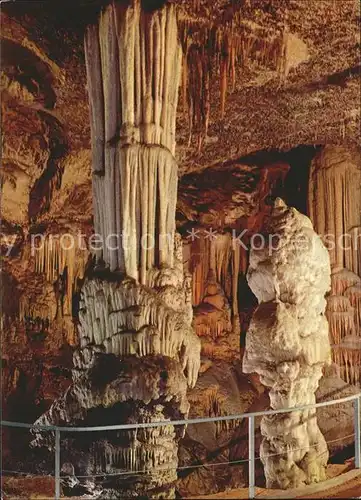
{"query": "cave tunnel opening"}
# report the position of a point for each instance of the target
(294, 190)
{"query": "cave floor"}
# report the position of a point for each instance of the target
(340, 484)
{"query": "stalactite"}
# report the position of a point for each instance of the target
(221, 259)
(140, 68)
(348, 357)
(220, 256)
(353, 294)
(340, 316)
(57, 253)
(335, 202)
(335, 207)
(341, 324)
(342, 280)
(219, 50)
(33, 308)
(95, 89)
(199, 267)
(150, 450)
(236, 264)
(41, 313)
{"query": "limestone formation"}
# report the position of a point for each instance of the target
(128, 319)
(133, 63)
(243, 69)
(335, 204)
(335, 208)
(137, 350)
(137, 354)
(59, 254)
(232, 197)
(287, 344)
(120, 391)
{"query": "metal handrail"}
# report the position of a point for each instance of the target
(200, 420)
(251, 432)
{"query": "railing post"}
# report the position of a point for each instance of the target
(357, 414)
(57, 464)
(251, 459)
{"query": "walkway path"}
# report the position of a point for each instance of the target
(346, 485)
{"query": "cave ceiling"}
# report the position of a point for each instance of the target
(46, 134)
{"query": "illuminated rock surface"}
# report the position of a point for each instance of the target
(287, 345)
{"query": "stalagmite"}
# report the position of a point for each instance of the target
(287, 345)
(236, 264)
(126, 319)
(137, 350)
(335, 209)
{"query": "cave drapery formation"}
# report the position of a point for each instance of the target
(218, 258)
(335, 209)
(136, 316)
(287, 344)
(62, 260)
(107, 334)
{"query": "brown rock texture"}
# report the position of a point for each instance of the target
(269, 105)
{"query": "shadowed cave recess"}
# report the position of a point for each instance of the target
(214, 149)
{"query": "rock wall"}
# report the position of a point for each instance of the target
(335, 209)
(287, 344)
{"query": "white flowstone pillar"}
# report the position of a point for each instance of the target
(138, 351)
(133, 61)
(287, 344)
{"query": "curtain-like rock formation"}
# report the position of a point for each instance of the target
(133, 63)
(335, 209)
(137, 351)
(216, 263)
(228, 206)
(287, 344)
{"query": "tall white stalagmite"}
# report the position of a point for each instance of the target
(137, 351)
(287, 345)
(335, 209)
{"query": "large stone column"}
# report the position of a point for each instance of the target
(137, 351)
(335, 209)
(287, 344)
(133, 61)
